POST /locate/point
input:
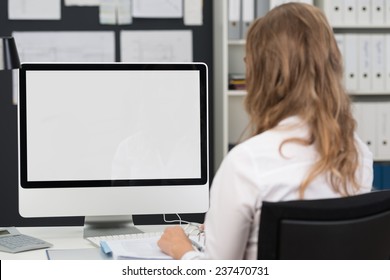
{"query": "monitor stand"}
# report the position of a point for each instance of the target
(109, 225)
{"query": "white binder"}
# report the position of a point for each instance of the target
(248, 15)
(340, 40)
(378, 62)
(365, 63)
(234, 19)
(387, 12)
(357, 112)
(336, 10)
(364, 12)
(378, 12)
(387, 68)
(383, 130)
(351, 62)
(365, 117)
(350, 12)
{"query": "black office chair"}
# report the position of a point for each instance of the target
(356, 227)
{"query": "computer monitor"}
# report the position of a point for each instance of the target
(107, 141)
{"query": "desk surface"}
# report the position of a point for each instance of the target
(61, 238)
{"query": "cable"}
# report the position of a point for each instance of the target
(175, 221)
(195, 225)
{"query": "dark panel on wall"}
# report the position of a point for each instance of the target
(78, 19)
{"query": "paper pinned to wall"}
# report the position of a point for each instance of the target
(115, 12)
(64, 46)
(158, 8)
(124, 12)
(82, 2)
(107, 12)
(193, 12)
(156, 46)
(34, 10)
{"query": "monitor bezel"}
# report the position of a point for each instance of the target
(26, 67)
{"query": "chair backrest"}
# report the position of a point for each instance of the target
(356, 227)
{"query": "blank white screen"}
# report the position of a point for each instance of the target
(103, 125)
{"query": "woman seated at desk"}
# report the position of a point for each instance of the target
(303, 143)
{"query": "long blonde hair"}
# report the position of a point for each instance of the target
(294, 68)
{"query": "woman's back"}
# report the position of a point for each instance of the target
(257, 170)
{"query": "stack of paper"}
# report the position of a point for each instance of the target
(144, 248)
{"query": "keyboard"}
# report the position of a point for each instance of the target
(97, 239)
(19, 242)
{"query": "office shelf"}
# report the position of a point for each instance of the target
(230, 117)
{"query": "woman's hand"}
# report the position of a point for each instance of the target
(174, 242)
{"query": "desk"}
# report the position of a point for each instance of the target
(61, 238)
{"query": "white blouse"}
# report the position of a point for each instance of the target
(255, 171)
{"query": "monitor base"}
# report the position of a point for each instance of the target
(109, 225)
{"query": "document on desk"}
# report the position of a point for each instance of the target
(143, 248)
(77, 254)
